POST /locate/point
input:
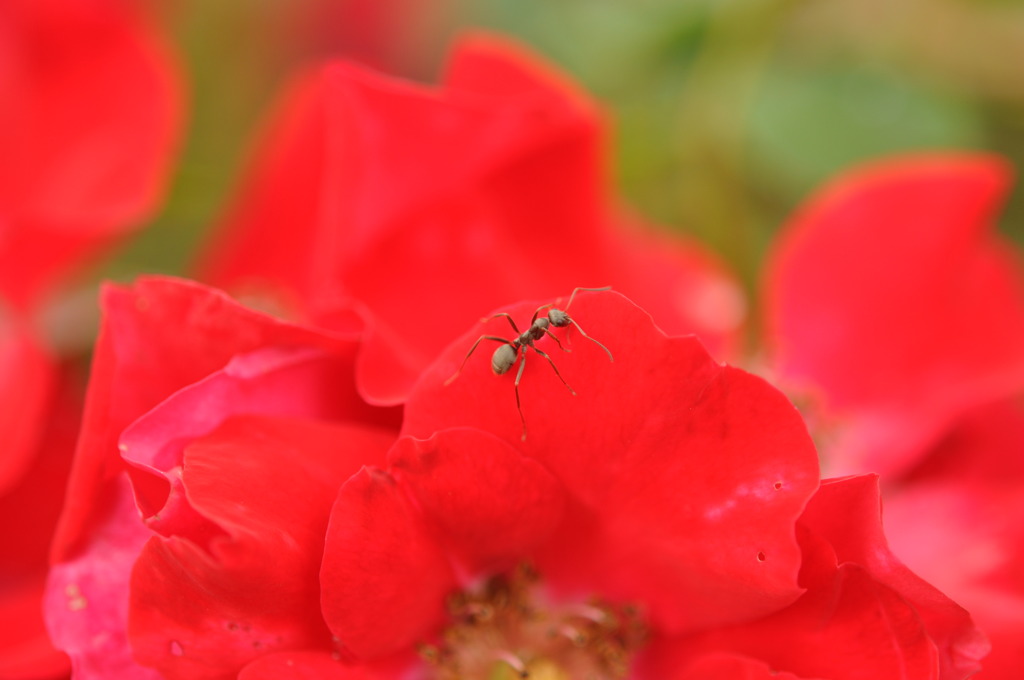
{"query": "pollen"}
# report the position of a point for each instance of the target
(505, 630)
(76, 601)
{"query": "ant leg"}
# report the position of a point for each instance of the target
(519, 405)
(557, 341)
(507, 316)
(583, 333)
(586, 290)
(472, 349)
(543, 354)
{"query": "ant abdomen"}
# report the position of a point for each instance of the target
(503, 358)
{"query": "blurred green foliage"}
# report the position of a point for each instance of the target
(726, 112)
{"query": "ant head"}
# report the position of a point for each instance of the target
(503, 358)
(558, 318)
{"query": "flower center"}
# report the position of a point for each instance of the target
(504, 631)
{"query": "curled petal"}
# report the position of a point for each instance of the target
(847, 513)
(86, 603)
(203, 610)
(156, 337)
(296, 382)
(847, 627)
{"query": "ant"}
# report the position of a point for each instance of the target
(509, 351)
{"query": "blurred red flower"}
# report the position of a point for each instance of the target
(958, 520)
(39, 402)
(409, 212)
(387, 35)
(89, 111)
(893, 303)
(669, 513)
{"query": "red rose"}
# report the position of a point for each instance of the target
(38, 418)
(894, 305)
(409, 212)
(644, 523)
(389, 35)
(160, 337)
(958, 520)
(89, 113)
(911, 341)
(89, 108)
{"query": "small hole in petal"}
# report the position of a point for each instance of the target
(176, 648)
(760, 557)
(778, 485)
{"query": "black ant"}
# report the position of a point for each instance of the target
(505, 355)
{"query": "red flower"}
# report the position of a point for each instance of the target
(388, 35)
(863, 615)
(891, 301)
(38, 418)
(156, 339)
(410, 212)
(895, 305)
(89, 113)
(958, 520)
(662, 510)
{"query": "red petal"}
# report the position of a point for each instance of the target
(847, 512)
(691, 475)
(384, 579)
(490, 65)
(86, 605)
(199, 613)
(958, 521)
(91, 112)
(683, 287)
(157, 337)
(497, 179)
(848, 628)
(662, 663)
(488, 504)
(26, 380)
(26, 652)
(311, 665)
(306, 383)
(28, 514)
(891, 298)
